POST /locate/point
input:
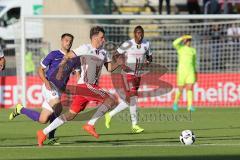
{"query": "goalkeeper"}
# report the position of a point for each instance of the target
(186, 72)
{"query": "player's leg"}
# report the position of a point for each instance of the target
(32, 114)
(134, 83)
(60, 120)
(41, 117)
(102, 109)
(78, 104)
(97, 94)
(120, 107)
(189, 87)
(50, 111)
(122, 88)
(123, 104)
(50, 106)
(180, 85)
(134, 117)
(57, 111)
(42, 134)
(177, 97)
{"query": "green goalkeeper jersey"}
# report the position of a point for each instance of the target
(186, 56)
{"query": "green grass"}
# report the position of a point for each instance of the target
(217, 132)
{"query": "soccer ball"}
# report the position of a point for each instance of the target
(187, 137)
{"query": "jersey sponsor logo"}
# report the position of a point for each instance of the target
(138, 46)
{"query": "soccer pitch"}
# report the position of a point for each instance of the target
(217, 137)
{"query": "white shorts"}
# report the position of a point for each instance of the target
(48, 95)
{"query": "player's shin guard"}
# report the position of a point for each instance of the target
(55, 124)
(121, 106)
(177, 96)
(189, 100)
(102, 109)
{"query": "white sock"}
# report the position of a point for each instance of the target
(55, 124)
(121, 106)
(102, 109)
(133, 109)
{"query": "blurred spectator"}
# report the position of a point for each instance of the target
(211, 7)
(226, 6)
(193, 7)
(237, 6)
(216, 37)
(160, 3)
(233, 34)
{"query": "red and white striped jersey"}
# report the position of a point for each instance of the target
(92, 60)
(135, 53)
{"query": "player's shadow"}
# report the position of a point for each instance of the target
(220, 128)
(220, 138)
(123, 141)
(236, 137)
(18, 145)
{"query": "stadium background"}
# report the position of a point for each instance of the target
(215, 124)
(217, 61)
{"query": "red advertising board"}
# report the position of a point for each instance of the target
(211, 90)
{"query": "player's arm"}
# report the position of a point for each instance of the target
(63, 63)
(61, 67)
(148, 55)
(41, 70)
(117, 60)
(41, 73)
(77, 67)
(177, 42)
(68, 56)
(2, 63)
(73, 54)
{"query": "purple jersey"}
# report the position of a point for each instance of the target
(52, 61)
(71, 64)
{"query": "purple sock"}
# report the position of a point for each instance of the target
(34, 115)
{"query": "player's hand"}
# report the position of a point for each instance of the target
(64, 60)
(48, 85)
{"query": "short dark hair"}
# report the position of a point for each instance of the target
(138, 28)
(67, 35)
(95, 30)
